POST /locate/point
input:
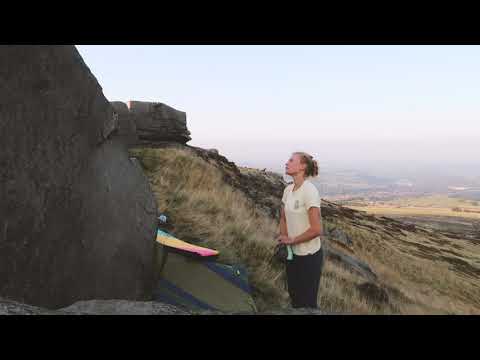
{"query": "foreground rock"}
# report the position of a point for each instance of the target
(77, 217)
(8, 307)
(123, 307)
(93, 307)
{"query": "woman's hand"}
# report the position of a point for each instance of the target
(283, 239)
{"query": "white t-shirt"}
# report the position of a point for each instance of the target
(296, 205)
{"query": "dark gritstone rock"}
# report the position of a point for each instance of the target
(265, 188)
(123, 307)
(339, 236)
(9, 307)
(77, 217)
(213, 151)
(349, 262)
(94, 307)
(157, 123)
(126, 123)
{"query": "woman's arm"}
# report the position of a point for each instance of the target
(315, 229)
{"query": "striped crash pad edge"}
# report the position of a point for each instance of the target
(166, 239)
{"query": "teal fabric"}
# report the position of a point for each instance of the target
(290, 252)
(164, 233)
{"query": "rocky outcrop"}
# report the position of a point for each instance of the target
(343, 252)
(9, 307)
(264, 188)
(350, 262)
(338, 236)
(94, 307)
(124, 307)
(127, 129)
(151, 124)
(77, 217)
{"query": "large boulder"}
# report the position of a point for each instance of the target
(158, 123)
(77, 217)
(127, 128)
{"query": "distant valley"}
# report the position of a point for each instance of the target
(339, 185)
(443, 203)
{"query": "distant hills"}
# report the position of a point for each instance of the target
(469, 194)
(333, 182)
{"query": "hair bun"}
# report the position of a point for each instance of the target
(312, 165)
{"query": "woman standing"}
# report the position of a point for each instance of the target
(301, 228)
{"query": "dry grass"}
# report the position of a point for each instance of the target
(422, 285)
(338, 293)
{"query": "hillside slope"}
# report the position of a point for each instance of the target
(375, 265)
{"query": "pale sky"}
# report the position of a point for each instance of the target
(345, 104)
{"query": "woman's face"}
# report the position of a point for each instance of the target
(294, 165)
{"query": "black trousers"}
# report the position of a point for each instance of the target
(303, 279)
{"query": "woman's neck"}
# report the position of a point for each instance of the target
(298, 181)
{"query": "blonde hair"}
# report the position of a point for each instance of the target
(312, 165)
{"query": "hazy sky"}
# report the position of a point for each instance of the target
(376, 105)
